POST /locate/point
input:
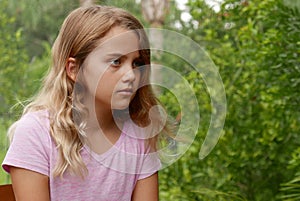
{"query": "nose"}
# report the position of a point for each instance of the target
(129, 74)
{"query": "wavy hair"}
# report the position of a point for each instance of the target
(80, 34)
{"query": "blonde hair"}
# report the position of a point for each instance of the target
(79, 35)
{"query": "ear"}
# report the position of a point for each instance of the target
(72, 68)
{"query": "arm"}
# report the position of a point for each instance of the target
(146, 189)
(29, 185)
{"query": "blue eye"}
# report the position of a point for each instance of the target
(116, 62)
(138, 63)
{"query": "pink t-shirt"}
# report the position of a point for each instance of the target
(111, 176)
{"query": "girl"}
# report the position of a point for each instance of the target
(90, 134)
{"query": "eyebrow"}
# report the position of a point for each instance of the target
(119, 55)
(115, 55)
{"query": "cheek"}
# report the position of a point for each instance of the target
(138, 77)
(105, 84)
(93, 81)
(93, 75)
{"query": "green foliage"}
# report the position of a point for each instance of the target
(12, 63)
(19, 78)
(291, 189)
(255, 44)
(12, 68)
(40, 21)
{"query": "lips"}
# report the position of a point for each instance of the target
(126, 92)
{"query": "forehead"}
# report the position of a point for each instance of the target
(119, 40)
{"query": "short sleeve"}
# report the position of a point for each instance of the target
(151, 165)
(30, 146)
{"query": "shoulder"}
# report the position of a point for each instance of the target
(33, 125)
(32, 128)
(31, 143)
(40, 117)
(32, 122)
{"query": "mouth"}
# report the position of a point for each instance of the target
(126, 92)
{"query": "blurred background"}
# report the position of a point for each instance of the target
(256, 46)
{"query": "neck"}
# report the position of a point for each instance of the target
(100, 117)
(101, 128)
(104, 118)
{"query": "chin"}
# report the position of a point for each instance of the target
(121, 115)
(120, 106)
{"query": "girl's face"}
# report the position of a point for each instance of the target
(111, 71)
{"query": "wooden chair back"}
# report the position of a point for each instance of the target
(7, 193)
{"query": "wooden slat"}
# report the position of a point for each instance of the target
(6, 193)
